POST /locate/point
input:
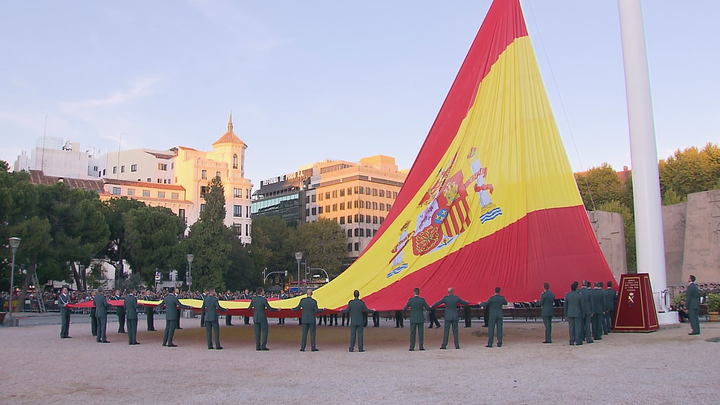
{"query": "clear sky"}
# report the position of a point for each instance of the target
(314, 80)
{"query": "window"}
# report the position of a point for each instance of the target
(181, 214)
(357, 246)
(237, 228)
(247, 193)
(356, 204)
(349, 191)
(368, 204)
(146, 193)
(237, 210)
(356, 218)
(237, 192)
(394, 194)
(103, 172)
(149, 180)
(320, 210)
(116, 191)
(312, 198)
(349, 232)
(375, 219)
(342, 220)
(327, 195)
(368, 233)
(361, 218)
(159, 181)
(217, 174)
(235, 161)
(349, 247)
(342, 206)
(162, 166)
(349, 219)
(114, 169)
(334, 207)
(320, 197)
(388, 194)
(203, 191)
(382, 193)
(174, 196)
(307, 212)
(367, 219)
(131, 191)
(334, 194)
(247, 211)
(362, 190)
(357, 232)
(307, 199)
(327, 208)
(382, 207)
(362, 204)
(356, 189)
(382, 219)
(361, 231)
(375, 192)
(247, 233)
(375, 205)
(202, 207)
(161, 194)
(95, 168)
(172, 165)
(389, 207)
(342, 192)
(314, 211)
(122, 169)
(203, 174)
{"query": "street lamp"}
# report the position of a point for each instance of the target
(14, 243)
(298, 257)
(188, 276)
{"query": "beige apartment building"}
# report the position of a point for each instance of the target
(358, 196)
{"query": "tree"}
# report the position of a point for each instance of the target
(599, 185)
(690, 171)
(209, 241)
(270, 244)
(242, 273)
(322, 243)
(116, 250)
(152, 235)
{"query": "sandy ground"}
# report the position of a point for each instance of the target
(666, 366)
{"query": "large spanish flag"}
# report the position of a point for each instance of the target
(490, 200)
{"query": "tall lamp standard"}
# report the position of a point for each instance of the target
(14, 243)
(298, 257)
(188, 276)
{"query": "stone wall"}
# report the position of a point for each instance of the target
(701, 253)
(610, 233)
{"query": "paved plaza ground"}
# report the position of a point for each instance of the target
(667, 367)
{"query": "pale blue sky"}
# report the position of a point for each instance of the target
(312, 80)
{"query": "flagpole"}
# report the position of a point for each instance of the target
(649, 237)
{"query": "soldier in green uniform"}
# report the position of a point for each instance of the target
(494, 305)
(357, 311)
(120, 312)
(547, 301)
(573, 309)
(149, 311)
(130, 307)
(451, 302)
(172, 314)
(417, 318)
(209, 309)
(260, 304)
(309, 310)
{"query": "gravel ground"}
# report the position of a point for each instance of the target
(666, 366)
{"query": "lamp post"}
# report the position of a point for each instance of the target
(14, 243)
(188, 276)
(298, 257)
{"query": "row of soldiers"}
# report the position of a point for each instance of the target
(589, 311)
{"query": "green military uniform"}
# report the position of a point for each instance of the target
(101, 311)
(547, 302)
(573, 310)
(120, 312)
(609, 309)
(417, 320)
(130, 307)
(209, 309)
(692, 298)
(357, 310)
(260, 305)
(451, 318)
(598, 312)
(587, 313)
(172, 314)
(309, 310)
(63, 301)
(495, 305)
(150, 313)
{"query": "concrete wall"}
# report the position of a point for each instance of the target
(702, 237)
(610, 233)
(674, 232)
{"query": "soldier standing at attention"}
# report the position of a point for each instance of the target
(309, 310)
(417, 318)
(63, 301)
(356, 310)
(130, 307)
(494, 305)
(573, 309)
(209, 309)
(260, 304)
(451, 302)
(547, 301)
(172, 314)
(150, 311)
(120, 312)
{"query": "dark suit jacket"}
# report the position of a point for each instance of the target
(355, 308)
(130, 307)
(416, 305)
(451, 303)
(587, 301)
(101, 305)
(573, 306)
(692, 296)
(309, 309)
(609, 299)
(260, 304)
(547, 301)
(172, 303)
(598, 301)
(210, 307)
(494, 305)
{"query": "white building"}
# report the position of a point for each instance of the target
(56, 157)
